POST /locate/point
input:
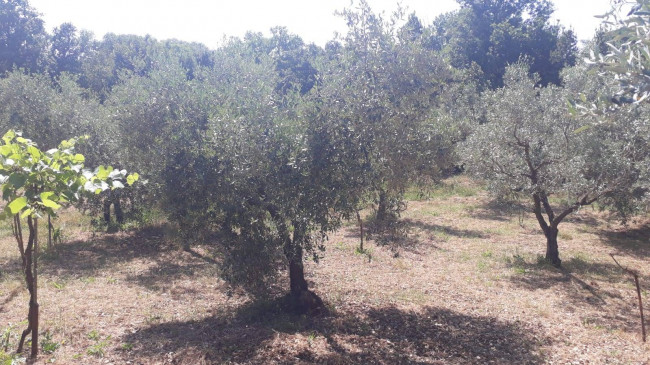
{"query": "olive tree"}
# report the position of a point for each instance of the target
(35, 183)
(384, 84)
(532, 146)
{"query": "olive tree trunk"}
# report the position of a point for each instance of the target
(552, 251)
(301, 299)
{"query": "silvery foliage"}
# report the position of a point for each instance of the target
(627, 35)
(532, 143)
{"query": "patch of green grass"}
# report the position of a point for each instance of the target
(97, 349)
(565, 236)
(452, 189)
(127, 346)
(10, 359)
(48, 345)
(340, 245)
(499, 231)
(57, 285)
(94, 335)
(517, 263)
(483, 265)
(87, 279)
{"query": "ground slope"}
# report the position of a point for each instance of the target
(465, 287)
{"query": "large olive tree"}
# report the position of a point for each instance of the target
(533, 147)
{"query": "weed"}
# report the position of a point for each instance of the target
(517, 262)
(87, 280)
(127, 346)
(153, 319)
(565, 236)
(487, 254)
(10, 359)
(446, 190)
(48, 344)
(4, 340)
(483, 266)
(97, 349)
(58, 286)
(94, 335)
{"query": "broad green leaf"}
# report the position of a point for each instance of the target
(103, 172)
(6, 150)
(132, 178)
(50, 203)
(26, 213)
(36, 154)
(17, 205)
(9, 136)
(78, 158)
(17, 180)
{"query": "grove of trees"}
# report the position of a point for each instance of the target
(266, 145)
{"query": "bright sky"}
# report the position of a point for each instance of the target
(207, 21)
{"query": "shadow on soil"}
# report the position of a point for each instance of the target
(437, 228)
(629, 241)
(408, 240)
(495, 210)
(264, 334)
(161, 259)
(585, 284)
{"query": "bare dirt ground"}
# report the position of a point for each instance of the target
(466, 287)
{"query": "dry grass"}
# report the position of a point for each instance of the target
(466, 287)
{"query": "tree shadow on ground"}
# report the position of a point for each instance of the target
(388, 335)
(634, 242)
(409, 239)
(576, 270)
(495, 210)
(581, 283)
(89, 256)
(447, 230)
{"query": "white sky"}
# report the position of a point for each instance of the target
(207, 21)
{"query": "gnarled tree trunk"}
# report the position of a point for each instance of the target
(552, 251)
(301, 299)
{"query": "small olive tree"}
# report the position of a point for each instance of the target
(36, 183)
(533, 147)
(384, 84)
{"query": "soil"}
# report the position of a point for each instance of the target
(467, 285)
